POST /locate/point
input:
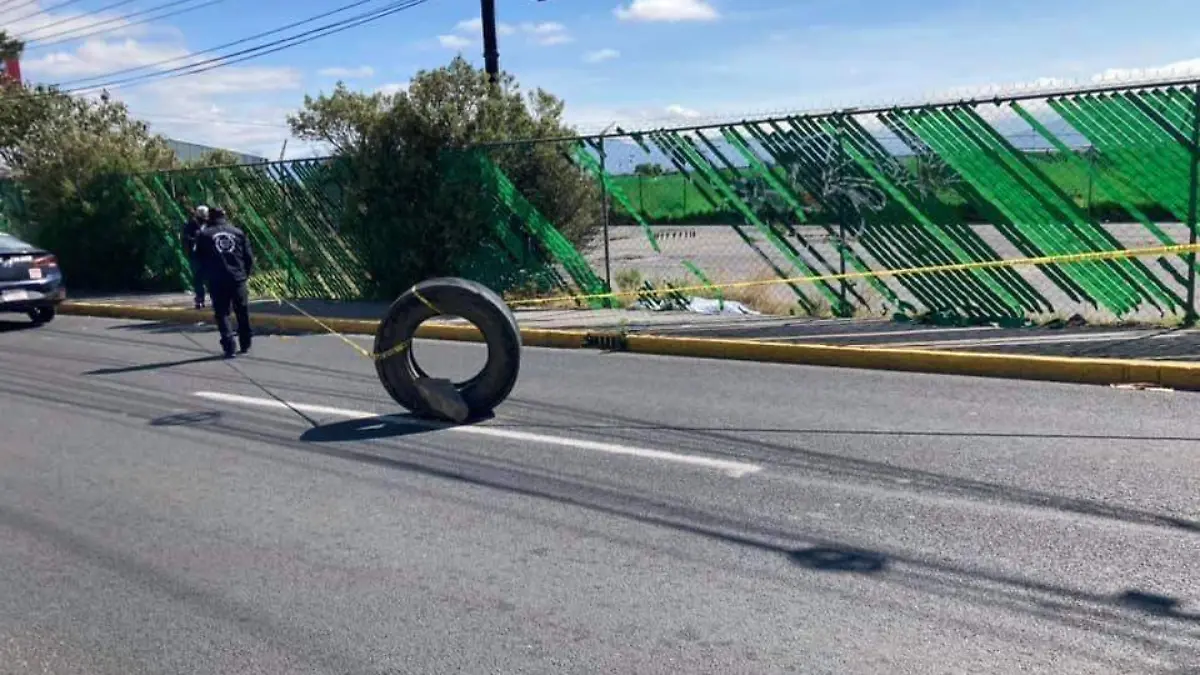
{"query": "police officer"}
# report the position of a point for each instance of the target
(228, 262)
(191, 230)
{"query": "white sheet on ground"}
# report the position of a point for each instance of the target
(706, 306)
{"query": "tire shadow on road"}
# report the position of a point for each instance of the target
(375, 428)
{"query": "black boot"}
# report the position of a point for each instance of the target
(227, 348)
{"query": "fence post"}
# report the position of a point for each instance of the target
(287, 227)
(604, 216)
(841, 163)
(1190, 317)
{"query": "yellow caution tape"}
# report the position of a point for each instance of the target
(933, 269)
(374, 356)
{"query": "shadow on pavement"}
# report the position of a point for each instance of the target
(369, 429)
(164, 327)
(376, 428)
(839, 560)
(838, 466)
(653, 426)
(153, 366)
(167, 327)
(187, 419)
(13, 326)
(1162, 605)
(1129, 614)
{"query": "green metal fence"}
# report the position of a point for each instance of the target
(1035, 175)
(1040, 174)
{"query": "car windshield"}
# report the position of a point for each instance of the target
(10, 244)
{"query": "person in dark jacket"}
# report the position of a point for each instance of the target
(191, 230)
(228, 263)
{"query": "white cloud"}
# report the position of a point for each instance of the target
(231, 80)
(243, 124)
(551, 40)
(601, 55)
(1108, 76)
(170, 105)
(32, 22)
(476, 26)
(96, 57)
(547, 33)
(677, 110)
(392, 88)
(1176, 69)
(544, 28)
(242, 108)
(453, 42)
(594, 119)
(667, 10)
(360, 71)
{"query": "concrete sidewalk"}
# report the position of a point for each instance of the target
(560, 319)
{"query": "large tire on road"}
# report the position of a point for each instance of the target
(471, 301)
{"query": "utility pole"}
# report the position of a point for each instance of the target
(491, 53)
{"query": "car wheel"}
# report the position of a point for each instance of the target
(42, 315)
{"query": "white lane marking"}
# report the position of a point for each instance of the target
(732, 468)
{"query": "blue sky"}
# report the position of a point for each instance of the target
(633, 62)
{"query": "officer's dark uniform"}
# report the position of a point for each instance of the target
(228, 262)
(191, 231)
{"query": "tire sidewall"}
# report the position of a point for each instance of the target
(475, 303)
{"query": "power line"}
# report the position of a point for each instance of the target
(4, 10)
(260, 50)
(68, 19)
(39, 44)
(43, 40)
(227, 45)
(40, 11)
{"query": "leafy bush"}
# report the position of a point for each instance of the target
(413, 200)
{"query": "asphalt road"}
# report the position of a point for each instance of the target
(165, 512)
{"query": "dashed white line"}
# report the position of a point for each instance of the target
(732, 468)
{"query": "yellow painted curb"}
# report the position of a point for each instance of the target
(1174, 375)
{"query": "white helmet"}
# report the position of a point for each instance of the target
(202, 211)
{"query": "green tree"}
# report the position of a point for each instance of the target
(415, 210)
(215, 158)
(72, 157)
(649, 169)
(10, 47)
